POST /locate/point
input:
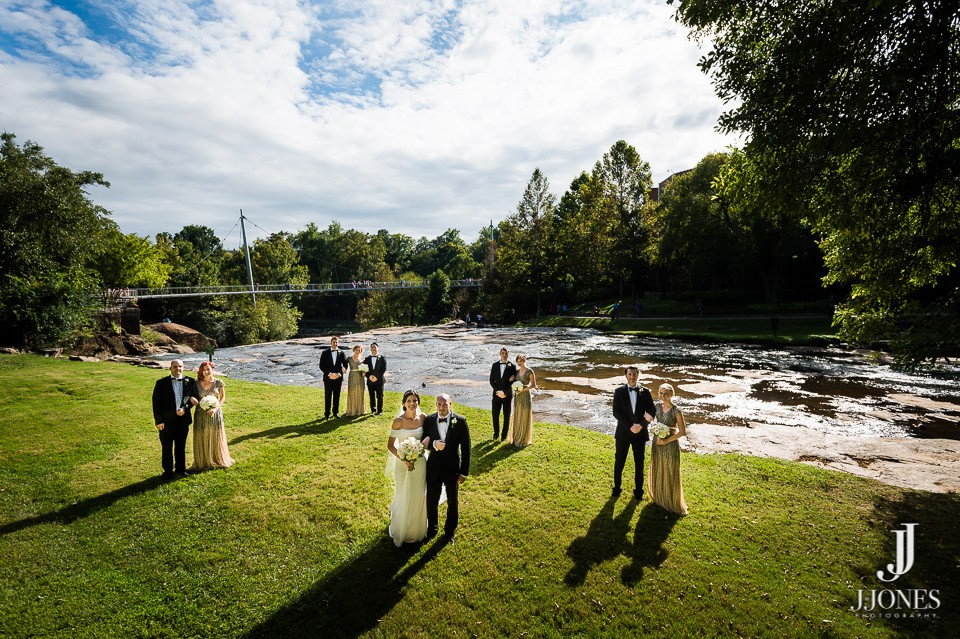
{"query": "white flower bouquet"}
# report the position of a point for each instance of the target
(209, 402)
(410, 450)
(363, 368)
(660, 430)
(517, 387)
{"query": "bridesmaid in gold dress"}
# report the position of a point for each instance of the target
(355, 384)
(209, 438)
(521, 420)
(665, 488)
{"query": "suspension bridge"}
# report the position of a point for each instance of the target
(126, 294)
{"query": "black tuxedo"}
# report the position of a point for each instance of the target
(173, 437)
(444, 468)
(624, 439)
(332, 362)
(502, 382)
(375, 389)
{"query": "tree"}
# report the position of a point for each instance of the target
(49, 231)
(853, 108)
(438, 302)
(526, 260)
(128, 260)
(626, 180)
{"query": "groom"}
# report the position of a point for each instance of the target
(447, 466)
(633, 409)
(502, 375)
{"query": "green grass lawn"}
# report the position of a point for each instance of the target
(292, 541)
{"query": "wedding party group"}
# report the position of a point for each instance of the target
(429, 454)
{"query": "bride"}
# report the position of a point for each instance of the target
(408, 512)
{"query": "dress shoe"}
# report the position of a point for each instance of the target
(379, 412)
(166, 476)
(449, 540)
(430, 535)
(616, 491)
(183, 473)
(638, 495)
(336, 415)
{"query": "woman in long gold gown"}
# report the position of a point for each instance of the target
(666, 489)
(356, 379)
(521, 420)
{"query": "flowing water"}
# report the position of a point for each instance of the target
(826, 390)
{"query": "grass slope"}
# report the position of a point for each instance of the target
(292, 541)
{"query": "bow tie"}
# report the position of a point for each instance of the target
(441, 420)
(633, 389)
(177, 379)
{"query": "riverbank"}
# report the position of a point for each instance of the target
(787, 330)
(289, 540)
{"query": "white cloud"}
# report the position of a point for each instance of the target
(410, 116)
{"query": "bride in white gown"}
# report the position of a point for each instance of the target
(408, 512)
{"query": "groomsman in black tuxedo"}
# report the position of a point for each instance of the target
(634, 410)
(173, 397)
(333, 363)
(447, 466)
(502, 375)
(376, 369)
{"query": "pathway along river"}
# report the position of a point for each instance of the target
(824, 406)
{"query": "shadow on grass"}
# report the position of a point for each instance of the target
(606, 539)
(84, 508)
(485, 455)
(318, 426)
(353, 598)
(936, 557)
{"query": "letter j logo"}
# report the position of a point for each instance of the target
(904, 555)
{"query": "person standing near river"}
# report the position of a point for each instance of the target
(502, 374)
(333, 364)
(633, 409)
(376, 370)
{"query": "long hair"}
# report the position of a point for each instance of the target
(200, 368)
(403, 403)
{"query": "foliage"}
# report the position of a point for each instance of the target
(49, 231)
(438, 302)
(392, 307)
(854, 109)
(128, 260)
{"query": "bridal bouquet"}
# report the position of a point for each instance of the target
(517, 387)
(660, 430)
(363, 368)
(410, 450)
(209, 402)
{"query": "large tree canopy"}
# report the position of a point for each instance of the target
(49, 231)
(854, 109)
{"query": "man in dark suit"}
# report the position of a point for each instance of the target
(333, 363)
(376, 369)
(173, 397)
(502, 375)
(634, 410)
(447, 466)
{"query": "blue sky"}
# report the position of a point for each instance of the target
(414, 115)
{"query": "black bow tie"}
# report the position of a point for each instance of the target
(441, 420)
(633, 389)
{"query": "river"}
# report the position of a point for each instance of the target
(826, 406)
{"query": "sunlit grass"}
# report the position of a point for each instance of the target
(291, 541)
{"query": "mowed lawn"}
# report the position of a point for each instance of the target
(292, 541)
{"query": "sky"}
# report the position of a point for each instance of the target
(415, 116)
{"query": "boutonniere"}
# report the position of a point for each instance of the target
(454, 421)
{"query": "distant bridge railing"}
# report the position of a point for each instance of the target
(123, 294)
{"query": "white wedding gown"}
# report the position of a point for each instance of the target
(408, 512)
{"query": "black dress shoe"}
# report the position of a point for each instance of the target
(616, 492)
(183, 473)
(336, 415)
(638, 495)
(430, 535)
(166, 476)
(449, 539)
